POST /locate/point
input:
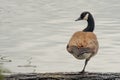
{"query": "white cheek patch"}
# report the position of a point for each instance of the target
(86, 17)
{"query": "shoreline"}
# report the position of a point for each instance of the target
(64, 76)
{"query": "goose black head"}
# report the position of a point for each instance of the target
(89, 18)
(84, 16)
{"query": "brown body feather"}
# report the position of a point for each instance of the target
(81, 40)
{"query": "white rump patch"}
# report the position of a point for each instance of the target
(86, 17)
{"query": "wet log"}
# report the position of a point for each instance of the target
(64, 76)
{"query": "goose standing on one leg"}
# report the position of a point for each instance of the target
(84, 44)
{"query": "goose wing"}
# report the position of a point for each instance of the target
(83, 41)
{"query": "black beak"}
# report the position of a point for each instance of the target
(78, 19)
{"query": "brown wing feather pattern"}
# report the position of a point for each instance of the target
(84, 40)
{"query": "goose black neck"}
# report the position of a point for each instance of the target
(91, 24)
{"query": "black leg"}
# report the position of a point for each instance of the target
(86, 61)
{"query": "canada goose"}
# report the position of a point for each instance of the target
(84, 44)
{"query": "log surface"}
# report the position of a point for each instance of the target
(64, 76)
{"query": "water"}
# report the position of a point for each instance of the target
(34, 34)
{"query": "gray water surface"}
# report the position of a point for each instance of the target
(34, 34)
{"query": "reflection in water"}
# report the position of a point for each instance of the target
(41, 29)
(28, 64)
(4, 59)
